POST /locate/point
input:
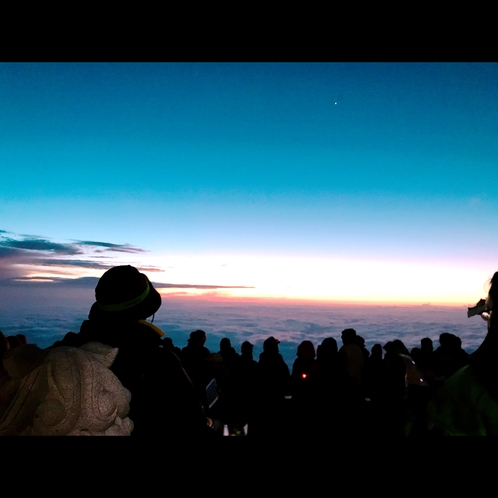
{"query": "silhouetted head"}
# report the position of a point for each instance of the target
(168, 343)
(328, 346)
(197, 338)
(124, 294)
(399, 347)
(271, 345)
(225, 343)
(246, 348)
(445, 339)
(427, 345)
(377, 350)
(306, 351)
(359, 341)
(415, 354)
(348, 336)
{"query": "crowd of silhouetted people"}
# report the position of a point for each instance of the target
(331, 390)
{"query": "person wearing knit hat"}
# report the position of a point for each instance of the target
(163, 399)
(123, 293)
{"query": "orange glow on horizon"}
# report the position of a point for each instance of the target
(224, 297)
(321, 281)
(292, 280)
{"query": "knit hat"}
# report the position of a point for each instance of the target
(123, 293)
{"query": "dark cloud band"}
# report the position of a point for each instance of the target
(40, 251)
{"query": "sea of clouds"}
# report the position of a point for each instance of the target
(44, 323)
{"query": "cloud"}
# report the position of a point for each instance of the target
(49, 282)
(112, 247)
(20, 254)
(148, 269)
(9, 252)
(23, 259)
(45, 311)
(79, 263)
(292, 324)
(86, 282)
(90, 264)
(44, 245)
(199, 286)
(38, 244)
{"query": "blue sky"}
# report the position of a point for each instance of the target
(342, 181)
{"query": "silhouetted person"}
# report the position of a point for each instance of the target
(395, 371)
(393, 401)
(247, 365)
(326, 352)
(327, 358)
(351, 361)
(168, 344)
(273, 384)
(361, 344)
(193, 355)
(351, 365)
(228, 353)
(467, 404)
(163, 399)
(374, 373)
(304, 371)
(305, 390)
(424, 358)
(246, 352)
(328, 384)
(273, 371)
(247, 371)
(229, 406)
(449, 356)
(373, 388)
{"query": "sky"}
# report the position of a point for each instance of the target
(339, 182)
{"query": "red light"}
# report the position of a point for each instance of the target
(304, 375)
